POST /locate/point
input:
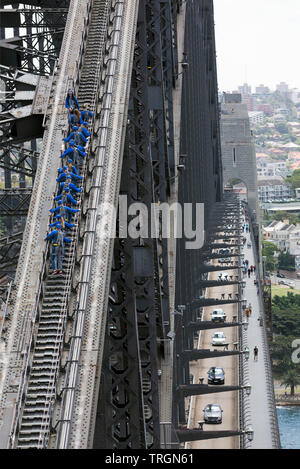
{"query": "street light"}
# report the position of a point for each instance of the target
(250, 433)
(247, 388)
(246, 352)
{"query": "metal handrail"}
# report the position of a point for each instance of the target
(9, 287)
(26, 359)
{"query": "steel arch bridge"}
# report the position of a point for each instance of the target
(100, 357)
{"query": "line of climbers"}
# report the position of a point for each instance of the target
(68, 180)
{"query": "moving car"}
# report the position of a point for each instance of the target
(218, 338)
(280, 275)
(216, 375)
(213, 413)
(218, 315)
(288, 283)
(224, 251)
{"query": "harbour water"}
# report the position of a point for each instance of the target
(289, 426)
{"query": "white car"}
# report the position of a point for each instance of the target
(218, 338)
(212, 413)
(218, 315)
(289, 283)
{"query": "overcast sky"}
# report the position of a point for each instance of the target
(257, 41)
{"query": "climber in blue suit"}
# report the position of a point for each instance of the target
(70, 167)
(61, 220)
(85, 114)
(65, 173)
(64, 211)
(65, 198)
(77, 136)
(71, 101)
(73, 152)
(58, 240)
(84, 129)
(67, 184)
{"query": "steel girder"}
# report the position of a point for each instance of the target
(9, 254)
(26, 59)
(22, 57)
(201, 181)
(139, 305)
(14, 202)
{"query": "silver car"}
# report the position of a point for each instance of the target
(213, 413)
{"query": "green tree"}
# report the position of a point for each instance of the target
(286, 261)
(285, 314)
(294, 179)
(291, 379)
(282, 127)
(268, 251)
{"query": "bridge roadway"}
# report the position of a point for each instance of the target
(227, 400)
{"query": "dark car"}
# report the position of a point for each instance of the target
(216, 375)
(280, 275)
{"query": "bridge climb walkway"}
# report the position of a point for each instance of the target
(261, 405)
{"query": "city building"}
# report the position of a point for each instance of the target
(268, 167)
(279, 233)
(297, 193)
(256, 117)
(266, 108)
(294, 95)
(262, 89)
(272, 188)
(282, 87)
(244, 89)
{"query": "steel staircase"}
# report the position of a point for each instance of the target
(41, 392)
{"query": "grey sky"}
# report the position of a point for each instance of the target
(257, 41)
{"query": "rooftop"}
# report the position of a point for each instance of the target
(270, 181)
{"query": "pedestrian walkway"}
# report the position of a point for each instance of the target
(260, 418)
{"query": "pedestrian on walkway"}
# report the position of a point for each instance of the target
(247, 312)
(251, 268)
(249, 273)
(250, 308)
(255, 351)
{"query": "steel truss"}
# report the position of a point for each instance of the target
(139, 303)
(26, 59)
(9, 253)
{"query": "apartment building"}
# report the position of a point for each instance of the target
(272, 188)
